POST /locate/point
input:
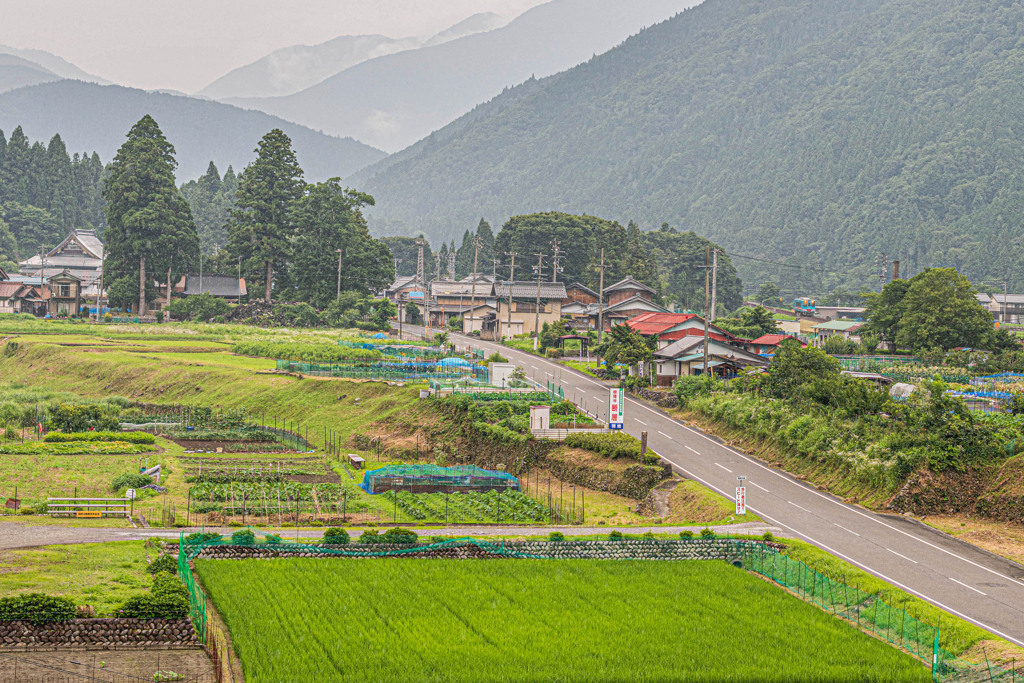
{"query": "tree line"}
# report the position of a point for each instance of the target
(290, 239)
(44, 194)
(667, 260)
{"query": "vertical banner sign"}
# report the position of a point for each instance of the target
(741, 500)
(615, 408)
(640, 368)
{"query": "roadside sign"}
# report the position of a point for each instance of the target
(91, 514)
(615, 408)
(741, 500)
(640, 368)
(130, 494)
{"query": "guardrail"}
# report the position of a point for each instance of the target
(89, 507)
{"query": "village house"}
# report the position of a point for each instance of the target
(457, 299)
(669, 328)
(685, 357)
(847, 329)
(63, 295)
(524, 316)
(768, 344)
(80, 254)
(220, 286)
(1005, 308)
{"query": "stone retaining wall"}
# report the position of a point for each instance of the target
(631, 549)
(99, 634)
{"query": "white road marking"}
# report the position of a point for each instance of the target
(966, 586)
(724, 468)
(903, 556)
(599, 399)
(760, 487)
(642, 422)
(798, 506)
(690, 449)
(847, 530)
(665, 435)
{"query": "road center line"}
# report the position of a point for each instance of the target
(690, 449)
(905, 558)
(599, 399)
(760, 487)
(642, 422)
(849, 531)
(724, 468)
(966, 586)
(665, 435)
(798, 506)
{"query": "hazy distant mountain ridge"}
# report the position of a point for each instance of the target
(95, 117)
(16, 72)
(53, 64)
(291, 69)
(819, 132)
(392, 101)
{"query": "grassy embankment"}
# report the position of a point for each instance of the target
(564, 620)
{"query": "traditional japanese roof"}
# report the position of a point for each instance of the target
(528, 290)
(9, 289)
(684, 347)
(463, 288)
(402, 283)
(3, 275)
(582, 288)
(774, 339)
(65, 275)
(636, 303)
(628, 283)
(656, 323)
(839, 325)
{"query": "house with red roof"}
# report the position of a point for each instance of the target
(768, 344)
(671, 327)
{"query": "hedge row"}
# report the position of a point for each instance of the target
(36, 608)
(303, 352)
(608, 445)
(128, 437)
(500, 434)
(74, 448)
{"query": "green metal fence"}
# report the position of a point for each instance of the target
(196, 597)
(388, 370)
(893, 624)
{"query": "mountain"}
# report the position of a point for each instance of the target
(47, 61)
(822, 133)
(392, 101)
(97, 117)
(291, 69)
(16, 72)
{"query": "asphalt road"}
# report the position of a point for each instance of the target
(955, 576)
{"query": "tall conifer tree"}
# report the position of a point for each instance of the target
(261, 227)
(149, 223)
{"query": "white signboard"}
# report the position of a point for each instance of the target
(640, 369)
(741, 500)
(616, 398)
(130, 494)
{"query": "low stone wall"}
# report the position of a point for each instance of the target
(99, 634)
(624, 549)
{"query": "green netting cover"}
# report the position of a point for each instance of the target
(461, 476)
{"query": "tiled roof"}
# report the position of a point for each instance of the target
(9, 289)
(656, 323)
(449, 288)
(839, 325)
(773, 339)
(582, 288)
(528, 290)
(628, 283)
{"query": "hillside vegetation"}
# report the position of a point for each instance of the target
(815, 131)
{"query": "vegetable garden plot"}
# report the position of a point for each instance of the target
(563, 620)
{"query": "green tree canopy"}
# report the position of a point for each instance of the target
(260, 229)
(327, 219)
(149, 223)
(625, 345)
(768, 293)
(680, 258)
(940, 311)
(794, 367)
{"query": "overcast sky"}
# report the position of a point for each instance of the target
(185, 44)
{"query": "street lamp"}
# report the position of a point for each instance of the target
(338, 252)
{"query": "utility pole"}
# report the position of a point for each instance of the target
(494, 267)
(169, 282)
(420, 277)
(556, 246)
(1004, 301)
(511, 283)
(707, 287)
(472, 284)
(451, 266)
(536, 318)
(600, 301)
(398, 262)
(437, 266)
(338, 295)
(714, 284)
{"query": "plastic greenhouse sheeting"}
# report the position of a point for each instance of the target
(466, 476)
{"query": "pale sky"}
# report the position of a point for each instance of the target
(185, 44)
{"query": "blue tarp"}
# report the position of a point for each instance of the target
(455, 362)
(379, 335)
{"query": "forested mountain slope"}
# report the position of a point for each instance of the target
(820, 132)
(95, 117)
(392, 101)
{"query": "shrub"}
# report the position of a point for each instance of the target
(272, 539)
(706, 532)
(557, 536)
(27, 510)
(649, 535)
(126, 437)
(164, 563)
(615, 535)
(197, 538)
(37, 608)
(336, 536)
(71, 417)
(201, 307)
(609, 445)
(159, 316)
(167, 599)
(130, 481)
(400, 535)
(686, 534)
(495, 358)
(234, 523)
(767, 537)
(370, 536)
(243, 537)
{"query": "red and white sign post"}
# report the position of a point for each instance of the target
(741, 497)
(615, 408)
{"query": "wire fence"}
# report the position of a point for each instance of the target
(395, 370)
(870, 613)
